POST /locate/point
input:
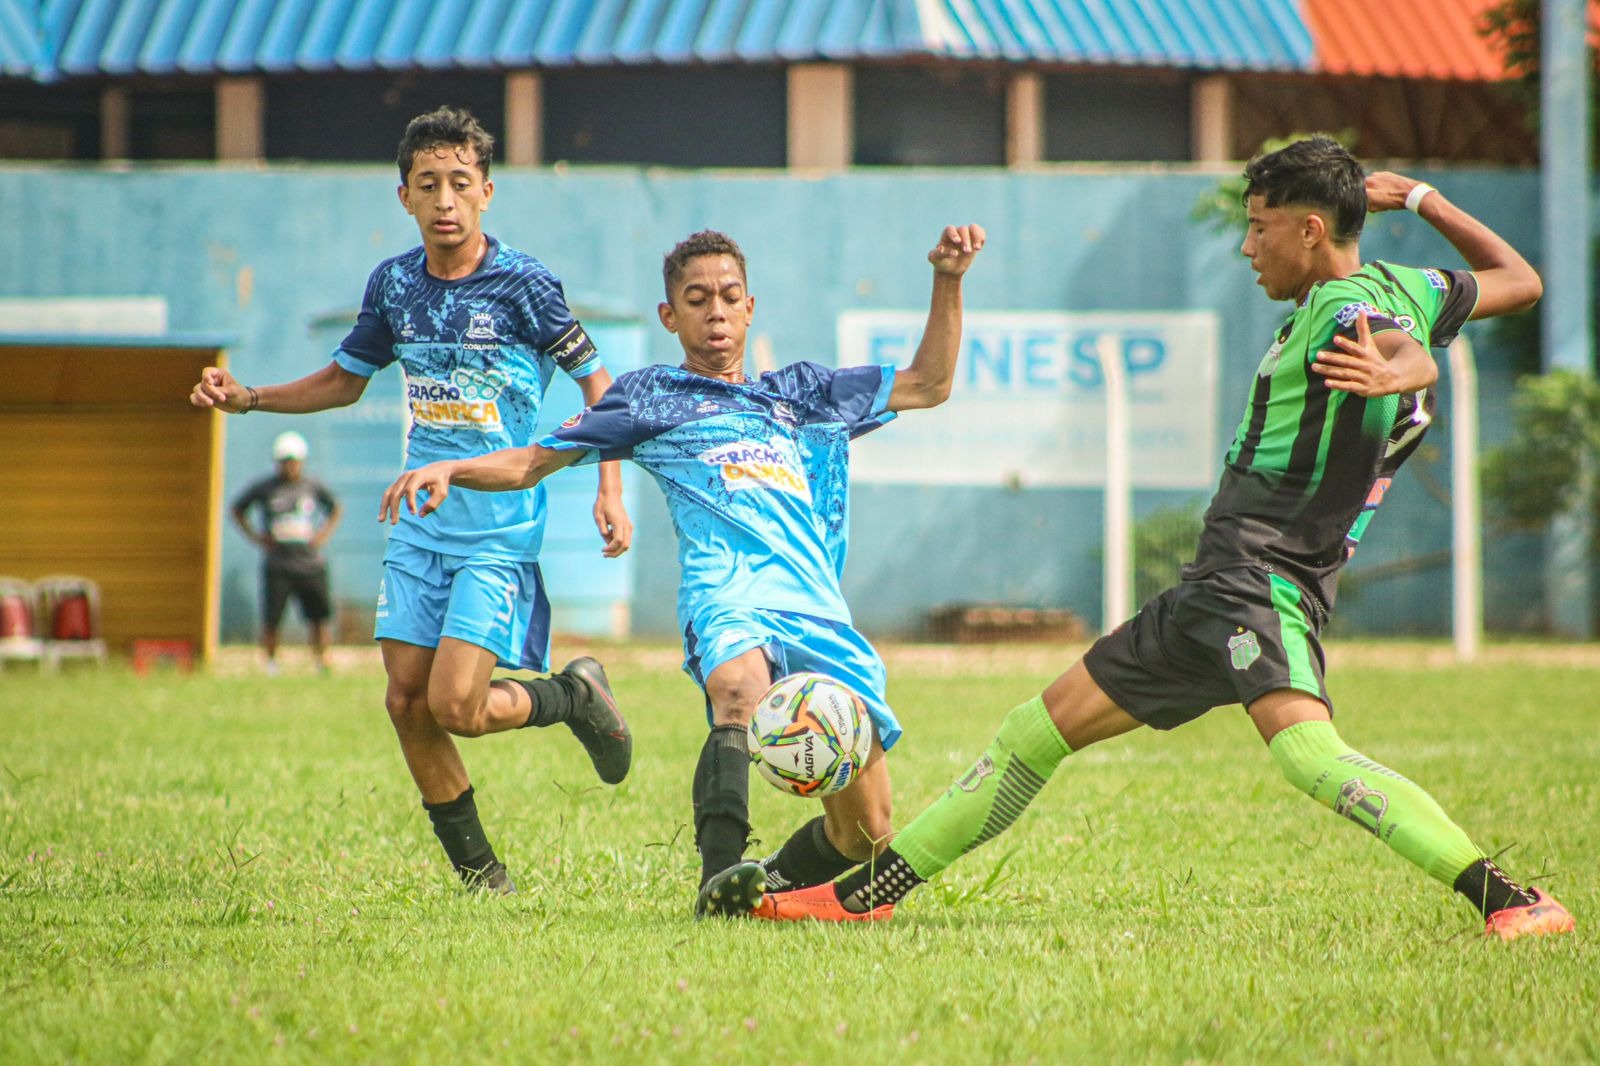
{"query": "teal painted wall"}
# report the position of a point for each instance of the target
(278, 257)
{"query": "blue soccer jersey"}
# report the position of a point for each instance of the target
(756, 474)
(478, 354)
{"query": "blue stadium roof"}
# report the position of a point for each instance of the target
(52, 39)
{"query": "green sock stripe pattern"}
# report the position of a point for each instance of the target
(1018, 785)
(990, 796)
(1379, 800)
(1295, 632)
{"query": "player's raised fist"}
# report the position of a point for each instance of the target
(1387, 191)
(217, 388)
(956, 248)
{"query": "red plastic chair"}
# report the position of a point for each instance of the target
(71, 606)
(19, 636)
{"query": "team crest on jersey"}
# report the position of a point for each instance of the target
(468, 400)
(482, 327)
(1436, 279)
(1269, 362)
(749, 464)
(1347, 315)
(1243, 649)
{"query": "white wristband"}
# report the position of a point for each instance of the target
(1414, 197)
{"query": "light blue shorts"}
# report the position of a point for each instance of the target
(498, 605)
(793, 643)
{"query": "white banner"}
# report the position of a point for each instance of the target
(1028, 406)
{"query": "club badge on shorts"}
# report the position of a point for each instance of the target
(1244, 649)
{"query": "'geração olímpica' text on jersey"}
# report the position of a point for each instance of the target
(478, 353)
(756, 474)
(1309, 464)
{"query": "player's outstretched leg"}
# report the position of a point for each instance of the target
(580, 696)
(982, 804)
(1320, 764)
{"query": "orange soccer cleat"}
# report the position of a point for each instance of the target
(1543, 917)
(819, 903)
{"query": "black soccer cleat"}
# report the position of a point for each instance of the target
(492, 880)
(597, 723)
(733, 893)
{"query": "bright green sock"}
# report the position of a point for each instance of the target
(1394, 810)
(989, 797)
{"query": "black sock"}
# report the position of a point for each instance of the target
(886, 879)
(722, 800)
(553, 698)
(807, 858)
(456, 825)
(1490, 890)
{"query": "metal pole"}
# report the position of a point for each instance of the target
(1116, 595)
(1466, 519)
(1564, 150)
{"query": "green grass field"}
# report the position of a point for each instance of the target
(227, 868)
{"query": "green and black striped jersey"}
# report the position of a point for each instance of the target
(1309, 464)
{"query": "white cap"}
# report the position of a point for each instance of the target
(290, 445)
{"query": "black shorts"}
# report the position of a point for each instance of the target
(1229, 637)
(308, 587)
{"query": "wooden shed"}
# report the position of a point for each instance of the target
(111, 475)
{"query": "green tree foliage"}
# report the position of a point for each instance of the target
(1547, 467)
(1543, 470)
(1512, 28)
(1163, 541)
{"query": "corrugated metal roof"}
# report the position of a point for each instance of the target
(19, 38)
(1215, 34)
(1404, 38)
(48, 39)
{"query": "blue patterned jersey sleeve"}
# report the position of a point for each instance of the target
(562, 336)
(861, 396)
(608, 430)
(370, 345)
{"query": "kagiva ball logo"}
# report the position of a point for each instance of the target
(749, 464)
(468, 400)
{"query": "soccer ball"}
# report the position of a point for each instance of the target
(810, 735)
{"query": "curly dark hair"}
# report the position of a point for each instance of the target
(1317, 171)
(706, 242)
(444, 127)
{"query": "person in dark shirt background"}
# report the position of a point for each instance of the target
(293, 518)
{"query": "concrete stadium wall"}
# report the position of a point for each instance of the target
(278, 257)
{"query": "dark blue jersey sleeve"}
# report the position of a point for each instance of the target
(369, 347)
(608, 430)
(562, 336)
(858, 396)
(861, 396)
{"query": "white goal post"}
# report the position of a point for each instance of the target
(1466, 517)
